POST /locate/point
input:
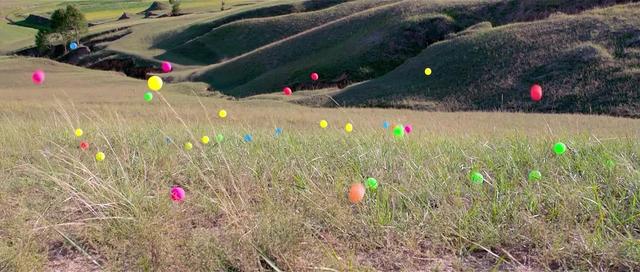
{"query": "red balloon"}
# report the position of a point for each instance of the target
(84, 145)
(287, 91)
(536, 92)
(315, 76)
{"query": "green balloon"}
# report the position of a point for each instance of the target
(610, 164)
(372, 184)
(398, 131)
(148, 96)
(559, 148)
(219, 138)
(535, 175)
(477, 178)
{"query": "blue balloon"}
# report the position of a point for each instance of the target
(248, 138)
(73, 46)
(386, 125)
(278, 131)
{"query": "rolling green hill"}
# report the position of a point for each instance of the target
(492, 67)
(239, 37)
(485, 54)
(363, 45)
(586, 63)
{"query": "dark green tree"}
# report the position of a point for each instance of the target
(70, 23)
(42, 41)
(76, 22)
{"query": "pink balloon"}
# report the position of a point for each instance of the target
(408, 129)
(38, 77)
(315, 76)
(177, 194)
(536, 92)
(166, 66)
(287, 91)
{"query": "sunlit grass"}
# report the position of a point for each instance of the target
(286, 195)
(283, 199)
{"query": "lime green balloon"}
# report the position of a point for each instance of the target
(611, 164)
(372, 184)
(148, 96)
(219, 138)
(398, 131)
(535, 175)
(477, 178)
(559, 148)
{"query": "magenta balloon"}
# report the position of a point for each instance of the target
(177, 194)
(315, 76)
(287, 91)
(166, 66)
(536, 92)
(38, 77)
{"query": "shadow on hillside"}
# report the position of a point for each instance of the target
(174, 39)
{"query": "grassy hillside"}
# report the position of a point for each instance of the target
(585, 63)
(102, 12)
(368, 44)
(259, 48)
(153, 39)
(283, 199)
(236, 38)
(363, 45)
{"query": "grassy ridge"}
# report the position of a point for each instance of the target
(581, 69)
(104, 12)
(358, 45)
(260, 48)
(362, 46)
(243, 36)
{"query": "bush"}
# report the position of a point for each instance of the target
(175, 7)
(42, 41)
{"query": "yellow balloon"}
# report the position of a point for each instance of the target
(155, 83)
(348, 127)
(427, 71)
(204, 139)
(324, 124)
(222, 113)
(79, 132)
(188, 146)
(100, 156)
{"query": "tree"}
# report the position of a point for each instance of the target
(76, 22)
(70, 23)
(175, 7)
(42, 41)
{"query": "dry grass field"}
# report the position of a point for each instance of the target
(279, 203)
(269, 191)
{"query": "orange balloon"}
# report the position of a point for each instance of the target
(356, 193)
